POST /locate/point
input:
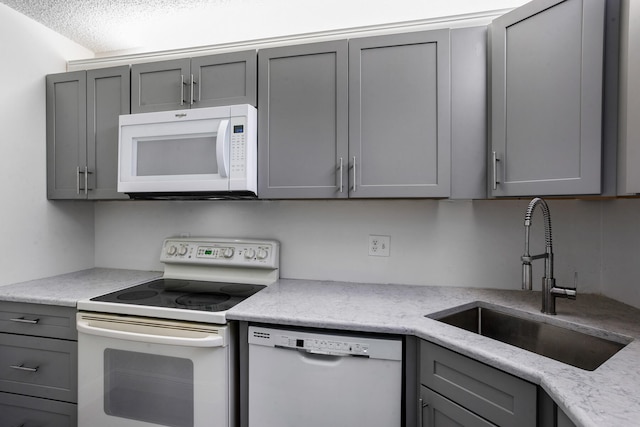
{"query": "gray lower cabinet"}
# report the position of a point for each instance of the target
(207, 81)
(547, 62)
(458, 391)
(82, 132)
(371, 117)
(38, 365)
(28, 411)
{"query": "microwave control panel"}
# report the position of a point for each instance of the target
(238, 128)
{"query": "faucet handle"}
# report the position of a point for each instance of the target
(566, 292)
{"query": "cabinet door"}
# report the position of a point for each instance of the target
(226, 79)
(66, 134)
(108, 96)
(492, 394)
(302, 121)
(160, 86)
(438, 411)
(41, 367)
(546, 111)
(400, 115)
(26, 411)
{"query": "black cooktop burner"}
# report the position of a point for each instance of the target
(185, 294)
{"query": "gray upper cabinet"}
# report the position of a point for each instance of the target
(547, 99)
(207, 81)
(107, 98)
(400, 115)
(66, 134)
(629, 150)
(368, 117)
(303, 121)
(82, 132)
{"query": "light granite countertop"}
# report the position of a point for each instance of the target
(608, 396)
(68, 289)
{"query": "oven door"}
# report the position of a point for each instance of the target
(135, 372)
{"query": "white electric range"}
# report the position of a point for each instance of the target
(162, 353)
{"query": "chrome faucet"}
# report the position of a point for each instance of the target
(549, 289)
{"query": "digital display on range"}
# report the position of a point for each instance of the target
(238, 128)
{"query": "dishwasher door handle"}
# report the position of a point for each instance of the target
(305, 351)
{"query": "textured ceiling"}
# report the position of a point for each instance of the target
(112, 27)
(92, 23)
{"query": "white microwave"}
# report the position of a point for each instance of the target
(189, 154)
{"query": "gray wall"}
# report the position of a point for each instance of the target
(453, 243)
(39, 238)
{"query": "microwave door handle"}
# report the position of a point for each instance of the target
(222, 148)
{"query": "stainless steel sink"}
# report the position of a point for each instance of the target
(565, 345)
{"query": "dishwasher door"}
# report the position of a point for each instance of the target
(305, 378)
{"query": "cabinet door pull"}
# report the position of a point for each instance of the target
(23, 320)
(494, 163)
(354, 174)
(21, 367)
(421, 406)
(78, 180)
(193, 83)
(182, 89)
(86, 180)
(341, 180)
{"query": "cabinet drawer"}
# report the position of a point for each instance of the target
(439, 411)
(494, 395)
(41, 367)
(38, 320)
(30, 411)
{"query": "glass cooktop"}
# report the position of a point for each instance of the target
(184, 294)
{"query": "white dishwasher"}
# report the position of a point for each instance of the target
(312, 379)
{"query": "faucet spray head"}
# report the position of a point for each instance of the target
(526, 276)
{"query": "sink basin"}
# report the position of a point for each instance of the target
(575, 348)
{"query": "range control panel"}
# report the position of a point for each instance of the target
(221, 252)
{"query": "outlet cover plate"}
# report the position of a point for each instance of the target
(379, 245)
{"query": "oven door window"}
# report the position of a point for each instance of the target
(149, 387)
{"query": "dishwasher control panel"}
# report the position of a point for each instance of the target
(327, 344)
(323, 346)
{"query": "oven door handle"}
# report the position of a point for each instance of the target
(211, 340)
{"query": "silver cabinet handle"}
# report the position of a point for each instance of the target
(193, 83)
(182, 89)
(341, 180)
(86, 180)
(23, 320)
(354, 174)
(21, 367)
(78, 180)
(494, 162)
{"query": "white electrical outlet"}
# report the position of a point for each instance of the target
(379, 245)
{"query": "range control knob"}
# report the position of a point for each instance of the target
(182, 251)
(250, 253)
(262, 253)
(171, 250)
(227, 252)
